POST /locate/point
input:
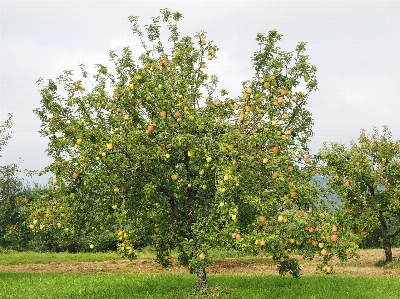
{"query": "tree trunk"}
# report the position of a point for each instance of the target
(388, 248)
(201, 278)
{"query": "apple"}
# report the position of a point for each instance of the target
(174, 176)
(290, 167)
(308, 160)
(280, 218)
(334, 228)
(395, 149)
(386, 190)
(222, 190)
(322, 214)
(275, 174)
(233, 217)
(266, 84)
(238, 236)
(163, 113)
(59, 224)
(273, 123)
(74, 175)
(282, 259)
(324, 252)
(262, 218)
(249, 90)
(203, 42)
(300, 212)
(190, 154)
(284, 92)
(167, 155)
(91, 246)
(293, 194)
(217, 102)
(286, 116)
(347, 252)
(314, 243)
(334, 238)
(292, 241)
(41, 226)
(328, 269)
(346, 183)
(321, 245)
(240, 117)
(202, 65)
(202, 255)
(177, 114)
(201, 171)
(311, 229)
(208, 159)
(298, 243)
(281, 100)
(78, 141)
(275, 149)
(265, 160)
(149, 129)
(247, 108)
(233, 235)
(116, 190)
(159, 147)
(262, 242)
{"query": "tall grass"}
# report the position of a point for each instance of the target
(47, 285)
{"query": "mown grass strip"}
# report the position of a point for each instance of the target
(28, 257)
(47, 285)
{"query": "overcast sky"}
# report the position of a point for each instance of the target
(354, 44)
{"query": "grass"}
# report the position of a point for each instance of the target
(48, 285)
(28, 257)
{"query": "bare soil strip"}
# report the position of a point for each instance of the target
(367, 265)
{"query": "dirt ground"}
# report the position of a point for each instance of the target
(367, 265)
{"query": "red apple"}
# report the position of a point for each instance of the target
(163, 113)
(275, 149)
(334, 238)
(177, 114)
(311, 229)
(290, 167)
(324, 252)
(238, 236)
(74, 175)
(217, 102)
(150, 128)
(262, 242)
(308, 160)
(293, 194)
(262, 218)
(314, 243)
(159, 147)
(203, 42)
(395, 149)
(334, 228)
(283, 92)
(275, 174)
(241, 117)
(202, 255)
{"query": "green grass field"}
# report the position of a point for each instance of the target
(23, 282)
(23, 285)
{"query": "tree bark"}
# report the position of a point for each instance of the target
(387, 245)
(201, 278)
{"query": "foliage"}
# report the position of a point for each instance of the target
(366, 176)
(163, 157)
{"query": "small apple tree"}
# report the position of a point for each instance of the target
(366, 176)
(175, 161)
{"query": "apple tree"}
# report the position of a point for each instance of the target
(175, 161)
(366, 177)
